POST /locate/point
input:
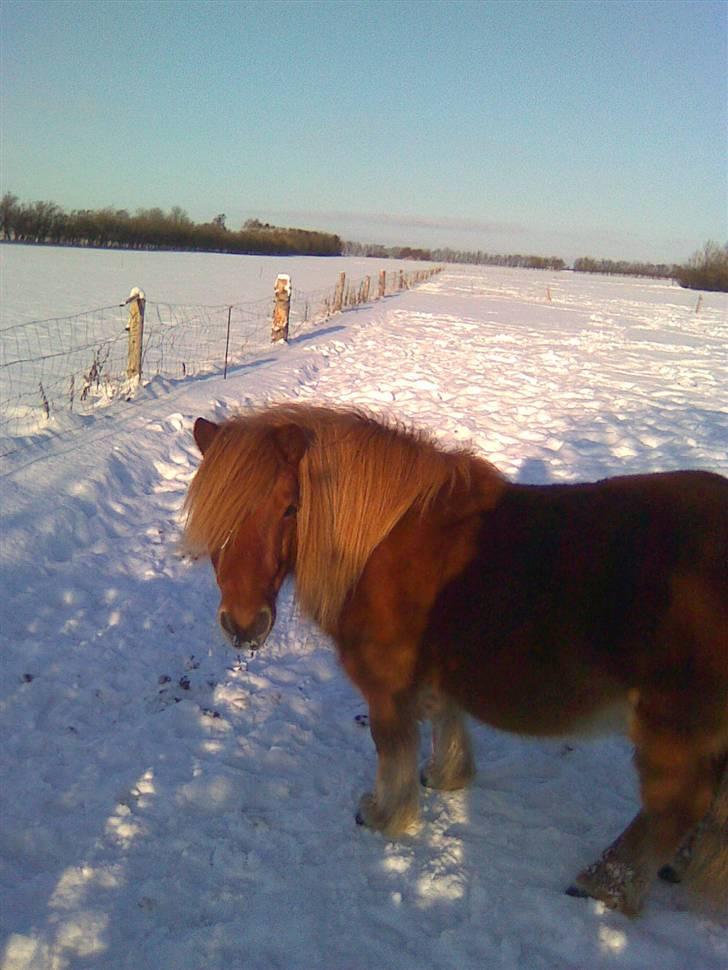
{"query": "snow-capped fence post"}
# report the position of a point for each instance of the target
(382, 284)
(135, 301)
(281, 308)
(339, 293)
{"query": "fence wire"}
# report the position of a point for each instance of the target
(76, 363)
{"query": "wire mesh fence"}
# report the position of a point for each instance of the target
(77, 363)
(66, 363)
(186, 341)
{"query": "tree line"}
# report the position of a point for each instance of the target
(447, 255)
(46, 222)
(622, 267)
(707, 269)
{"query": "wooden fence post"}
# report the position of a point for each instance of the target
(227, 344)
(281, 308)
(136, 302)
(339, 293)
(382, 284)
(367, 288)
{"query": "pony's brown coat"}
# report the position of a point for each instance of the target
(531, 607)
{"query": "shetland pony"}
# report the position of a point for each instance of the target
(447, 589)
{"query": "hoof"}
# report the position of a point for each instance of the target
(577, 892)
(401, 822)
(366, 814)
(623, 896)
(669, 874)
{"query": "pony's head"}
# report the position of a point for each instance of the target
(312, 490)
(243, 505)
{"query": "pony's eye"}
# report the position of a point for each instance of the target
(290, 511)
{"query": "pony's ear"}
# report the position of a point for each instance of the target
(292, 441)
(204, 433)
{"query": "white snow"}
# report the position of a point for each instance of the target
(168, 804)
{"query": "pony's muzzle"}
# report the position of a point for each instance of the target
(252, 636)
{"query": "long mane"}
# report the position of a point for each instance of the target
(358, 478)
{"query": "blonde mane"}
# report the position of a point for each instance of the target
(358, 478)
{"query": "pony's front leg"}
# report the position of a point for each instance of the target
(451, 765)
(393, 806)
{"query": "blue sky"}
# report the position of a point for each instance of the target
(565, 128)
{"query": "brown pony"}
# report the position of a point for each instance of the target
(447, 589)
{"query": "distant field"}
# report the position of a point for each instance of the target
(38, 282)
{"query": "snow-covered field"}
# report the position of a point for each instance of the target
(63, 322)
(38, 282)
(166, 804)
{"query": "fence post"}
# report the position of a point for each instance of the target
(339, 294)
(367, 288)
(382, 284)
(136, 302)
(281, 308)
(227, 344)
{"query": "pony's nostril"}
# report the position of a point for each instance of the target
(228, 624)
(262, 624)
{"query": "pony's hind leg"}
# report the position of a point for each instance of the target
(621, 875)
(675, 870)
(702, 861)
(393, 806)
(708, 842)
(677, 780)
(451, 765)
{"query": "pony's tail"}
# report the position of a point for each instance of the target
(707, 872)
